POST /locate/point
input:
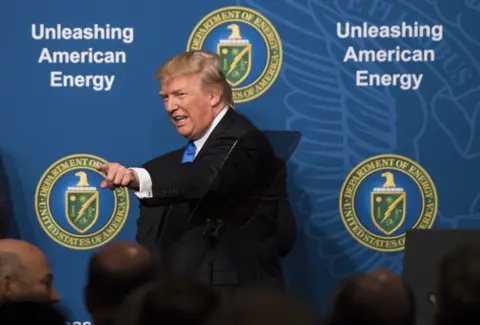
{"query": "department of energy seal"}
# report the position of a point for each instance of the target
(384, 196)
(70, 208)
(249, 47)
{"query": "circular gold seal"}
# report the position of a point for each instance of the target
(384, 196)
(70, 208)
(249, 47)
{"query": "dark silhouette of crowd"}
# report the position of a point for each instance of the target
(124, 288)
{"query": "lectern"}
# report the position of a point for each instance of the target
(423, 251)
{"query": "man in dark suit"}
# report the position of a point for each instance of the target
(210, 210)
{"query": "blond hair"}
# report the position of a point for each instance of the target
(204, 63)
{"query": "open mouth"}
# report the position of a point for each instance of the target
(179, 120)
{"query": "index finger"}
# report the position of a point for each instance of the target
(102, 167)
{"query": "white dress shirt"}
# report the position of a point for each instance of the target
(144, 179)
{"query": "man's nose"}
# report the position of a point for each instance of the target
(54, 296)
(171, 105)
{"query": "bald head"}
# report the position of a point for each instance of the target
(115, 271)
(122, 256)
(15, 255)
(24, 272)
(17, 246)
(378, 297)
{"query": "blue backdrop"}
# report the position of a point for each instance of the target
(296, 78)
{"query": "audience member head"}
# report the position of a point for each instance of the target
(261, 306)
(378, 297)
(24, 272)
(31, 312)
(170, 300)
(458, 292)
(194, 90)
(113, 272)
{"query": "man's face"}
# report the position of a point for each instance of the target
(34, 279)
(190, 107)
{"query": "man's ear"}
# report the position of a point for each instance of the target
(215, 96)
(6, 287)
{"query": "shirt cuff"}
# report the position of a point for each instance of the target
(145, 183)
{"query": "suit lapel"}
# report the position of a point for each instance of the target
(221, 127)
(171, 158)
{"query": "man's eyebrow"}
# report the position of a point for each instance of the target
(175, 91)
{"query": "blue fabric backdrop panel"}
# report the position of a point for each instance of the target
(374, 160)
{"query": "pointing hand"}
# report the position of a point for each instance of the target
(118, 176)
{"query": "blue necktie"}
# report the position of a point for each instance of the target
(189, 153)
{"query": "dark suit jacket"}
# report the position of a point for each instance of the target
(236, 186)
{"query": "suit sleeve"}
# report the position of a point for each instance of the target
(223, 164)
